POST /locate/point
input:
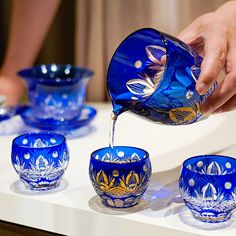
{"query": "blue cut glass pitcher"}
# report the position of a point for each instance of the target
(154, 75)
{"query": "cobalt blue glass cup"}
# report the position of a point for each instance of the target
(56, 92)
(40, 159)
(208, 187)
(154, 75)
(120, 176)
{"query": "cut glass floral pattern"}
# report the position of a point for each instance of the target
(208, 188)
(40, 159)
(118, 158)
(146, 85)
(212, 168)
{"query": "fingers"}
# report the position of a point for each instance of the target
(190, 33)
(221, 95)
(163, 60)
(215, 50)
(11, 89)
(228, 106)
(227, 88)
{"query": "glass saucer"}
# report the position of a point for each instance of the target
(87, 115)
(8, 112)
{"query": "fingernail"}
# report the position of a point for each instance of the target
(201, 88)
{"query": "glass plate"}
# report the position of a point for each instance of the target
(87, 115)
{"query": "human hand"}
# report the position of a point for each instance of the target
(11, 88)
(214, 35)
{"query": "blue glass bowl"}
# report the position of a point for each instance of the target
(56, 92)
(120, 177)
(154, 75)
(208, 187)
(87, 114)
(40, 159)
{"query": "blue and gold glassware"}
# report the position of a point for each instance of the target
(56, 92)
(40, 159)
(120, 176)
(154, 75)
(208, 187)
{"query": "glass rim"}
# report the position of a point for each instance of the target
(28, 71)
(63, 141)
(93, 155)
(207, 156)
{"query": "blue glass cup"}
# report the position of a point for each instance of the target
(154, 75)
(120, 176)
(40, 159)
(56, 92)
(208, 187)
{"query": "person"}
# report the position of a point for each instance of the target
(30, 22)
(215, 35)
(212, 34)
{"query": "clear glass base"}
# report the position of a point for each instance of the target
(211, 218)
(43, 187)
(117, 203)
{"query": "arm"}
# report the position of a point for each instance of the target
(215, 35)
(31, 20)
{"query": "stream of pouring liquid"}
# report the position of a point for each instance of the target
(118, 109)
(112, 130)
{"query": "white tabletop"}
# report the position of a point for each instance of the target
(75, 209)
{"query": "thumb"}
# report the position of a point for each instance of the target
(190, 33)
(187, 37)
(193, 37)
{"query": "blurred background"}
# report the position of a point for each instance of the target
(86, 32)
(61, 33)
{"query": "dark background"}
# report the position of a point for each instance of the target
(60, 42)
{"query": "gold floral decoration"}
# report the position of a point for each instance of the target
(183, 115)
(131, 184)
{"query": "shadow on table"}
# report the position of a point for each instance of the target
(19, 187)
(162, 199)
(161, 193)
(186, 217)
